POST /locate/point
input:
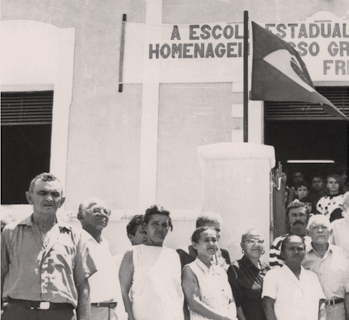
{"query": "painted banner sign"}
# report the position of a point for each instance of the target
(212, 52)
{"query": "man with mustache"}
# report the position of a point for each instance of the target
(292, 292)
(297, 217)
(45, 264)
(330, 264)
(105, 289)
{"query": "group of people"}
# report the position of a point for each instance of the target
(51, 270)
(321, 195)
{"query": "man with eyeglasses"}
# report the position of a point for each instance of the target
(297, 218)
(105, 289)
(45, 264)
(330, 264)
(292, 292)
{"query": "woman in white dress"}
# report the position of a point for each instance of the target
(205, 285)
(150, 274)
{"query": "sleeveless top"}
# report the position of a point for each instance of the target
(215, 290)
(156, 289)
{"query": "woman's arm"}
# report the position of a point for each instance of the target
(190, 287)
(268, 306)
(240, 313)
(126, 277)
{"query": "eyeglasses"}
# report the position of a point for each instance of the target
(251, 241)
(101, 210)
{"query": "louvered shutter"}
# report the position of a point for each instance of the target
(339, 96)
(26, 108)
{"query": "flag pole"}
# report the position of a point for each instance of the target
(122, 51)
(245, 128)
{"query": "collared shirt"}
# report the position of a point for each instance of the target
(246, 281)
(275, 259)
(44, 273)
(294, 298)
(331, 270)
(214, 288)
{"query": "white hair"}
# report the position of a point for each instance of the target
(88, 203)
(319, 218)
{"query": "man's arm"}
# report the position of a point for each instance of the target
(126, 277)
(346, 303)
(5, 261)
(322, 310)
(268, 307)
(83, 310)
(275, 258)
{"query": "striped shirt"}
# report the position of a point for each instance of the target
(275, 259)
(331, 270)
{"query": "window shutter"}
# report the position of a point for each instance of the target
(339, 96)
(26, 108)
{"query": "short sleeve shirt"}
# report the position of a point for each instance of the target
(294, 298)
(38, 273)
(331, 270)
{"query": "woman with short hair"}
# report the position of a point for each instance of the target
(205, 284)
(246, 277)
(151, 274)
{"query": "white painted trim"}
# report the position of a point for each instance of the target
(40, 56)
(150, 119)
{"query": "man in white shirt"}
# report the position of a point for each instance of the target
(291, 292)
(330, 264)
(105, 293)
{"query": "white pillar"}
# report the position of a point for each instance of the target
(236, 184)
(149, 121)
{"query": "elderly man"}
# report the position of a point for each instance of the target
(206, 219)
(291, 292)
(297, 217)
(329, 263)
(340, 228)
(45, 264)
(105, 289)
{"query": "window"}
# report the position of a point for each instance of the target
(26, 125)
(339, 96)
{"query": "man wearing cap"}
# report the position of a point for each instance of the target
(329, 263)
(45, 264)
(105, 288)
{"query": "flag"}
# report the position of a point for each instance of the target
(279, 73)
